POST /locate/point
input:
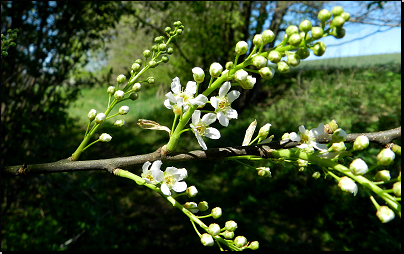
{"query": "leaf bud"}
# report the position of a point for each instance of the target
(274, 56)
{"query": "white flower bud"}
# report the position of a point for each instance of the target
(230, 225)
(123, 110)
(250, 82)
(257, 40)
(337, 147)
(199, 74)
(361, 142)
(120, 79)
(214, 229)
(91, 115)
(385, 214)
(240, 76)
(215, 70)
(241, 48)
(358, 167)
(136, 87)
(240, 241)
(119, 123)
(383, 175)
(263, 132)
(259, 61)
(105, 137)
(207, 240)
(111, 90)
(268, 36)
(191, 191)
(228, 234)
(254, 245)
(191, 206)
(386, 156)
(119, 95)
(264, 172)
(135, 67)
(397, 189)
(347, 184)
(216, 212)
(100, 118)
(267, 72)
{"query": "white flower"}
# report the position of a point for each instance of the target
(105, 137)
(198, 74)
(153, 175)
(308, 138)
(200, 127)
(347, 184)
(178, 98)
(172, 180)
(358, 167)
(222, 104)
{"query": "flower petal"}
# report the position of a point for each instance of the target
(223, 120)
(208, 118)
(212, 133)
(224, 89)
(318, 131)
(295, 137)
(179, 186)
(168, 104)
(171, 97)
(156, 165)
(146, 166)
(318, 146)
(201, 142)
(166, 191)
(214, 102)
(176, 85)
(191, 87)
(233, 95)
(231, 113)
(196, 116)
(302, 129)
(200, 100)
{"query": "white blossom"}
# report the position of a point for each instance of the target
(200, 127)
(222, 104)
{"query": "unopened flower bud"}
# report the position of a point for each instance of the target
(264, 172)
(347, 184)
(337, 10)
(316, 175)
(303, 53)
(319, 48)
(136, 87)
(91, 115)
(264, 131)
(295, 39)
(170, 51)
(199, 74)
(214, 229)
(305, 26)
(119, 123)
(249, 83)
(338, 21)
(360, 143)
(293, 59)
(216, 212)
(254, 245)
(111, 90)
(207, 240)
(317, 32)
(203, 206)
(338, 32)
(346, 16)
(324, 15)
(241, 48)
(105, 137)
(147, 53)
(191, 191)
(150, 80)
(240, 241)
(240, 76)
(397, 189)
(358, 167)
(257, 40)
(259, 61)
(385, 214)
(274, 56)
(229, 65)
(215, 69)
(386, 156)
(228, 234)
(191, 206)
(100, 118)
(119, 95)
(268, 36)
(292, 30)
(153, 64)
(267, 72)
(337, 147)
(165, 59)
(135, 67)
(339, 135)
(123, 110)
(283, 67)
(230, 225)
(383, 175)
(134, 96)
(120, 79)
(162, 47)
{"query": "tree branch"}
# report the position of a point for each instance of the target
(382, 138)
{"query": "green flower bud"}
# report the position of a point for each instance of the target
(136, 87)
(179, 31)
(119, 123)
(91, 115)
(303, 53)
(259, 61)
(139, 61)
(295, 39)
(215, 69)
(338, 32)
(268, 36)
(337, 147)
(264, 172)
(386, 156)
(214, 229)
(324, 15)
(119, 95)
(170, 51)
(240, 241)
(305, 26)
(207, 240)
(177, 23)
(216, 212)
(162, 47)
(283, 67)
(150, 80)
(337, 10)
(361, 142)
(346, 16)
(153, 64)
(293, 59)
(292, 30)
(254, 245)
(203, 206)
(164, 59)
(111, 90)
(319, 48)
(274, 56)
(316, 175)
(167, 29)
(383, 175)
(120, 79)
(147, 53)
(267, 72)
(397, 189)
(317, 32)
(134, 96)
(228, 234)
(241, 48)
(229, 65)
(105, 137)
(249, 83)
(135, 67)
(155, 48)
(191, 206)
(257, 40)
(338, 21)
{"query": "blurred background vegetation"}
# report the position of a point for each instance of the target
(68, 54)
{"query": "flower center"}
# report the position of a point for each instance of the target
(223, 104)
(186, 97)
(169, 179)
(149, 176)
